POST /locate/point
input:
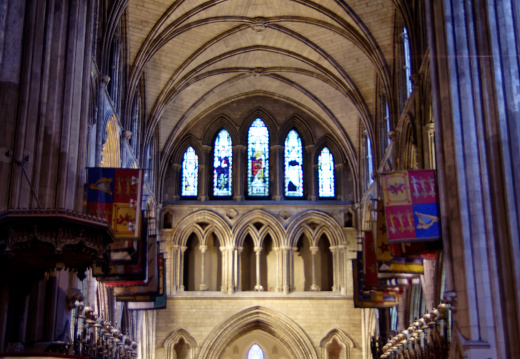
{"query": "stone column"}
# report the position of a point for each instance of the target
(238, 271)
(182, 250)
(314, 286)
(203, 286)
(310, 172)
(279, 266)
(277, 166)
(204, 172)
(286, 280)
(258, 286)
(335, 271)
(341, 268)
(224, 269)
(291, 268)
(239, 172)
(233, 258)
(171, 266)
(430, 134)
(475, 97)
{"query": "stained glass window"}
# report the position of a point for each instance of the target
(369, 161)
(255, 352)
(190, 173)
(258, 159)
(407, 61)
(222, 164)
(293, 165)
(326, 173)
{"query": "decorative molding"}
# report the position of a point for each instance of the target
(47, 238)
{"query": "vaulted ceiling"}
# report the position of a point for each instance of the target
(323, 56)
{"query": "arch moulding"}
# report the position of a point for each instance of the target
(276, 324)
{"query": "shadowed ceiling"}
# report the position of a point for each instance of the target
(325, 57)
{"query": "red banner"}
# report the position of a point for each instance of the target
(411, 206)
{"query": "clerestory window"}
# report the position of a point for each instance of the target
(258, 159)
(222, 165)
(190, 173)
(326, 181)
(293, 165)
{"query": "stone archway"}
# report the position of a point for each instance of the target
(286, 330)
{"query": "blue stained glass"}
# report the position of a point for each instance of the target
(258, 159)
(326, 174)
(407, 62)
(293, 165)
(255, 352)
(369, 161)
(190, 173)
(222, 164)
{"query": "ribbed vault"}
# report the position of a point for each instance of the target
(329, 57)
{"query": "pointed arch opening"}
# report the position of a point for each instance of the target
(248, 265)
(255, 352)
(324, 265)
(303, 265)
(192, 262)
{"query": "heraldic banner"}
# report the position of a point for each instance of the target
(411, 206)
(115, 194)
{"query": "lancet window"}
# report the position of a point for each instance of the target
(293, 165)
(407, 61)
(222, 165)
(190, 173)
(258, 159)
(255, 352)
(326, 181)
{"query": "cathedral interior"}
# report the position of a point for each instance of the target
(256, 137)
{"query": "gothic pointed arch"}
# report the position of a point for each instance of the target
(320, 223)
(181, 146)
(264, 319)
(221, 122)
(267, 119)
(341, 338)
(258, 224)
(300, 125)
(175, 338)
(203, 223)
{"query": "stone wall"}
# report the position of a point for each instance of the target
(214, 322)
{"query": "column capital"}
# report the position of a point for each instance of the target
(313, 249)
(203, 248)
(258, 250)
